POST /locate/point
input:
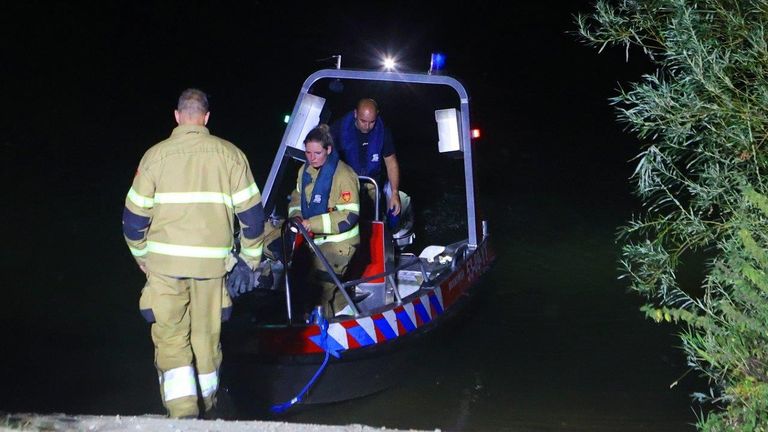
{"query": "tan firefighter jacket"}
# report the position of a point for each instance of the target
(339, 224)
(179, 213)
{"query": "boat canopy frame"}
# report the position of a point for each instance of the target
(279, 164)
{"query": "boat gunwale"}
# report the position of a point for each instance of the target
(463, 281)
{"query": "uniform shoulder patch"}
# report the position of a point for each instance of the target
(346, 196)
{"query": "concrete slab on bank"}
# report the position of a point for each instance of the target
(87, 423)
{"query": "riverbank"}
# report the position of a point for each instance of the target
(64, 422)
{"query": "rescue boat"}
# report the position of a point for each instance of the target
(274, 353)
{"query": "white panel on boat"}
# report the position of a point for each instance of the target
(339, 333)
(369, 327)
(392, 320)
(448, 130)
(407, 289)
(410, 311)
(425, 301)
(307, 117)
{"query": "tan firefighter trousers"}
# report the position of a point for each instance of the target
(186, 334)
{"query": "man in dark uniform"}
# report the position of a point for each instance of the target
(363, 143)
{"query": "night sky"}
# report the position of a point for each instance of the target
(90, 86)
(92, 73)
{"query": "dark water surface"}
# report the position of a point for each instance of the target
(552, 341)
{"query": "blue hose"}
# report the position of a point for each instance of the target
(320, 320)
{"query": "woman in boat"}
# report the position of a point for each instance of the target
(326, 202)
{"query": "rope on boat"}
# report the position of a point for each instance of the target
(318, 318)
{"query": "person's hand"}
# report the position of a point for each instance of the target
(394, 203)
(241, 279)
(143, 268)
(307, 225)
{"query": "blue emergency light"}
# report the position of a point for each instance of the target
(436, 63)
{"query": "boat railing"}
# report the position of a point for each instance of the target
(376, 212)
(296, 226)
(389, 274)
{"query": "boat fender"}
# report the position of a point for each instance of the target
(316, 317)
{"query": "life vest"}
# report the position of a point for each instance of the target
(322, 188)
(350, 146)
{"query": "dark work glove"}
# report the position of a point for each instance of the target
(241, 279)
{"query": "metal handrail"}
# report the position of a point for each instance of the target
(344, 285)
(390, 276)
(278, 166)
(376, 212)
(300, 228)
(391, 272)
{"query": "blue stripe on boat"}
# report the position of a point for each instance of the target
(333, 346)
(384, 328)
(403, 317)
(422, 312)
(435, 304)
(360, 336)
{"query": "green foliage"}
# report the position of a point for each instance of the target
(702, 118)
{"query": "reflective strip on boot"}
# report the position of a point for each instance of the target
(178, 383)
(208, 383)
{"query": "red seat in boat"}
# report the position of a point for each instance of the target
(370, 257)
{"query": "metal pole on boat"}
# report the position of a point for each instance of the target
(287, 265)
(288, 298)
(328, 267)
(464, 131)
(376, 211)
(395, 289)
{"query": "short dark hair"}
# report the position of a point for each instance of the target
(322, 134)
(193, 101)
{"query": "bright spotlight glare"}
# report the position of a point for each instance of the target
(389, 63)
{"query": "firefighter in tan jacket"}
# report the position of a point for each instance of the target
(179, 222)
(327, 202)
